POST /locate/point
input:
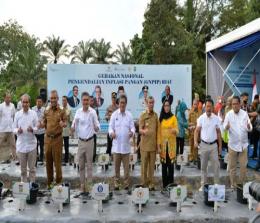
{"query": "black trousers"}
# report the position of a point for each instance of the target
(66, 148)
(95, 148)
(40, 143)
(167, 171)
(138, 144)
(109, 144)
(179, 145)
(254, 137)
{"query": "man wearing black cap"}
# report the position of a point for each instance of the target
(110, 109)
(144, 99)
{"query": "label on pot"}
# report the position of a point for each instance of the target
(216, 192)
(103, 159)
(100, 191)
(60, 194)
(140, 195)
(178, 193)
(21, 190)
(182, 159)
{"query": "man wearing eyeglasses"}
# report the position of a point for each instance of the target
(74, 100)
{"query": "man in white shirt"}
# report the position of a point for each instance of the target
(25, 125)
(86, 124)
(238, 125)
(7, 112)
(208, 127)
(121, 129)
(39, 109)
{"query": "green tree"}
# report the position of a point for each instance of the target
(233, 15)
(140, 53)
(55, 48)
(101, 52)
(82, 52)
(253, 10)
(21, 62)
(165, 40)
(123, 54)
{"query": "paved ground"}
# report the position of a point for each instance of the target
(121, 209)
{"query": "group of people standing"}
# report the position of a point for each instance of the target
(162, 134)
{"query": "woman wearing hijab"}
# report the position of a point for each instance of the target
(182, 125)
(167, 131)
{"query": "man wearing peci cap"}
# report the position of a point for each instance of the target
(110, 109)
(144, 99)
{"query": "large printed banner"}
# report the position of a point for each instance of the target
(63, 77)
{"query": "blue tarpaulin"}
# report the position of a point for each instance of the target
(242, 43)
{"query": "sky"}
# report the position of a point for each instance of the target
(116, 21)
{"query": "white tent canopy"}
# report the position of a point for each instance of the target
(232, 59)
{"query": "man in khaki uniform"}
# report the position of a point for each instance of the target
(54, 120)
(148, 126)
(194, 114)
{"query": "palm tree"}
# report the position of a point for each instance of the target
(101, 52)
(123, 54)
(55, 48)
(82, 52)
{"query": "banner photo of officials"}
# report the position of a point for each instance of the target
(138, 82)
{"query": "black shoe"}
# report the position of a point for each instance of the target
(64, 164)
(151, 189)
(116, 188)
(17, 163)
(6, 162)
(81, 194)
(126, 188)
(84, 194)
